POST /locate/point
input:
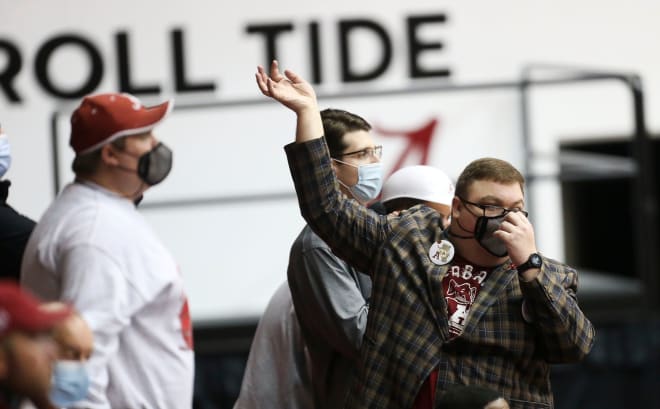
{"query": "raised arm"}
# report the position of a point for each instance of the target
(352, 231)
(295, 93)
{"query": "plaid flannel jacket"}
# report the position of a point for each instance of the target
(407, 331)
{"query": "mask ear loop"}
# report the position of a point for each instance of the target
(136, 193)
(344, 163)
(337, 177)
(461, 226)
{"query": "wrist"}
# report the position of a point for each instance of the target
(530, 268)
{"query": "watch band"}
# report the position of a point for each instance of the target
(534, 261)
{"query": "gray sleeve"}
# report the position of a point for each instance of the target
(328, 300)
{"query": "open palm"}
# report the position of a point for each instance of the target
(289, 88)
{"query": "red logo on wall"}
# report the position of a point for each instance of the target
(418, 141)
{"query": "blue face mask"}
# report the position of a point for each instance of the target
(370, 181)
(5, 155)
(70, 383)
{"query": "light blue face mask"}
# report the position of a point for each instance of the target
(370, 181)
(70, 383)
(5, 155)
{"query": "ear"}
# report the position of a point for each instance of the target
(455, 207)
(109, 155)
(333, 165)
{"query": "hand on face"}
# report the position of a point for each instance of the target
(289, 89)
(73, 335)
(74, 338)
(27, 365)
(517, 234)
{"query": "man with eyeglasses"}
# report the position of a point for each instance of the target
(331, 298)
(448, 306)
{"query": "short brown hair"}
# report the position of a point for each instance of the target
(490, 169)
(87, 163)
(337, 123)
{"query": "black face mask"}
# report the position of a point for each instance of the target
(155, 165)
(483, 233)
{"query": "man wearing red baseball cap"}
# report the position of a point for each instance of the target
(94, 250)
(27, 349)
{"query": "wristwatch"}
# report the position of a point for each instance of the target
(534, 261)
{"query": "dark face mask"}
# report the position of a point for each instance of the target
(483, 233)
(155, 165)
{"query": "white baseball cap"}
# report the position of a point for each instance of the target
(420, 182)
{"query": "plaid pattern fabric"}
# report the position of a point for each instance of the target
(407, 332)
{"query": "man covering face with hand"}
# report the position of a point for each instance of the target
(448, 306)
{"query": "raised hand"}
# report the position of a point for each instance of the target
(290, 89)
(517, 233)
(295, 93)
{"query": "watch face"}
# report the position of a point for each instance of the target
(535, 260)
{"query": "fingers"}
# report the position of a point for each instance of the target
(517, 233)
(293, 77)
(515, 219)
(516, 224)
(267, 83)
(262, 85)
(508, 226)
(262, 79)
(275, 73)
(271, 86)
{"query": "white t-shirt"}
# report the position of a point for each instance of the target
(277, 374)
(93, 249)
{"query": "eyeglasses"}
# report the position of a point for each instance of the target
(492, 210)
(375, 151)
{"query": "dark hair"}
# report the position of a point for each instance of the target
(401, 203)
(467, 397)
(490, 169)
(86, 164)
(337, 123)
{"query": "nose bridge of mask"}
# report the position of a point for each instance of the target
(488, 225)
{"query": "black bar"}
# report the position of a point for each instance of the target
(645, 201)
(53, 147)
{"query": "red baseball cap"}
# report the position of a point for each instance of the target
(102, 118)
(20, 311)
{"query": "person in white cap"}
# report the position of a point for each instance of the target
(411, 185)
(94, 250)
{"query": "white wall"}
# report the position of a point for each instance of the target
(234, 255)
